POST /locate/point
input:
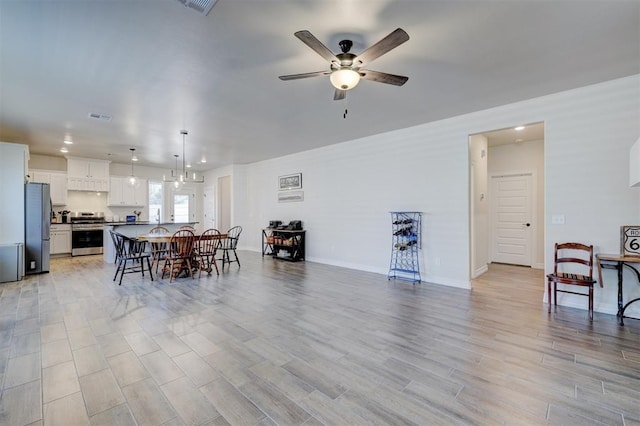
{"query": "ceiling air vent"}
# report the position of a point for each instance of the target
(201, 6)
(97, 116)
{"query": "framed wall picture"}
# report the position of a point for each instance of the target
(288, 182)
(630, 240)
(290, 196)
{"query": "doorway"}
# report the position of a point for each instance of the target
(224, 203)
(209, 208)
(181, 207)
(506, 198)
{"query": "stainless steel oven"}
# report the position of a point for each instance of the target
(87, 230)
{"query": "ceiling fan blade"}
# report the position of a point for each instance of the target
(310, 40)
(339, 94)
(393, 40)
(304, 75)
(383, 77)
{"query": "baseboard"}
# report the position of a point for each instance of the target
(538, 266)
(481, 270)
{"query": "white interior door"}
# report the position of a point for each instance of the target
(224, 203)
(209, 208)
(512, 218)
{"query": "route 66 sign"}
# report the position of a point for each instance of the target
(630, 240)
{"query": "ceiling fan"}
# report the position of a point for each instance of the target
(346, 68)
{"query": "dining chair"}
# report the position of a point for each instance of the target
(187, 227)
(205, 251)
(576, 262)
(180, 250)
(158, 250)
(229, 244)
(129, 250)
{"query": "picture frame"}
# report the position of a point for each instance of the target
(630, 240)
(288, 182)
(290, 196)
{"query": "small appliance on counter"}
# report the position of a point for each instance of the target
(131, 218)
(274, 223)
(64, 216)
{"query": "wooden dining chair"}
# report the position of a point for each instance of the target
(205, 252)
(129, 250)
(576, 262)
(188, 227)
(180, 250)
(229, 245)
(158, 250)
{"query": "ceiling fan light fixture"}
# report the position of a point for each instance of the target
(344, 79)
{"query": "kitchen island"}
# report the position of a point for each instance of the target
(133, 229)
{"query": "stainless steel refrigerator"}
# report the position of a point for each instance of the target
(37, 228)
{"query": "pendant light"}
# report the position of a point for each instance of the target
(178, 180)
(132, 180)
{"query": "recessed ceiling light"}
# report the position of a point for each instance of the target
(203, 160)
(188, 165)
(134, 158)
(68, 141)
(518, 128)
(64, 149)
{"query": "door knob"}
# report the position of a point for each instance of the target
(526, 224)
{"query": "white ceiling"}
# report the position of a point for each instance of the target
(525, 133)
(157, 67)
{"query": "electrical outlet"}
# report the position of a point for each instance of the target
(557, 219)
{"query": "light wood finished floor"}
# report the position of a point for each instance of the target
(290, 344)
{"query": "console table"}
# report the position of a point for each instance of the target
(283, 244)
(618, 262)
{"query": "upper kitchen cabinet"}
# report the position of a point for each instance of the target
(121, 194)
(57, 182)
(87, 175)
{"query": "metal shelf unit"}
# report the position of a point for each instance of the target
(284, 244)
(406, 229)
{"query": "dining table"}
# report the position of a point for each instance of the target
(159, 241)
(165, 238)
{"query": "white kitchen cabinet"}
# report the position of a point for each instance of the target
(59, 189)
(60, 239)
(87, 175)
(634, 164)
(57, 182)
(121, 194)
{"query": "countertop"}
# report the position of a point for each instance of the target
(144, 222)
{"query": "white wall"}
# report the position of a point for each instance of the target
(479, 201)
(241, 207)
(525, 157)
(350, 188)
